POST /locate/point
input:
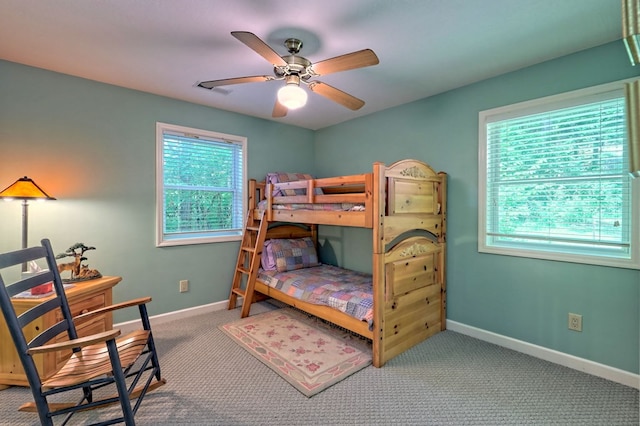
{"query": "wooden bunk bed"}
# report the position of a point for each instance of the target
(404, 204)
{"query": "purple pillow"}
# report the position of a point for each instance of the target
(268, 259)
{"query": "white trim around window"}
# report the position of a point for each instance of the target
(553, 180)
(200, 186)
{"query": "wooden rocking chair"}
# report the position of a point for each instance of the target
(127, 363)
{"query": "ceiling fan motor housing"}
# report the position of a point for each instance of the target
(295, 65)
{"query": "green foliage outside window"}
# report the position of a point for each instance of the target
(554, 181)
(202, 185)
(561, 173)
(194, 211)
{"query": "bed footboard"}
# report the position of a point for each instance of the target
(409, 258)
(412, 301)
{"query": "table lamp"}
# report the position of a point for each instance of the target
(24, 189)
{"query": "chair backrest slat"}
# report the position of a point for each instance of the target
(48, 334)
(30, 282)
(38, 311)
(22, 256)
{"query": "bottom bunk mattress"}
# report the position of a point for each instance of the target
(348, 291)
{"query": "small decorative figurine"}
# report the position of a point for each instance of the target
(79, 272)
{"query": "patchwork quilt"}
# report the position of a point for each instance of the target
(348, 291)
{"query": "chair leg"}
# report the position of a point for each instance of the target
(154, 357)
(123, 393)
(150, 343)
(43, 411)
(40, 401)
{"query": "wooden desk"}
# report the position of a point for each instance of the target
(83, 297)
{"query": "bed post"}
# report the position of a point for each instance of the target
(378, 262)
(253, 203)
(268, 194)
(442, 200)
(442, 239)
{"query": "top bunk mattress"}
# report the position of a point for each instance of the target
(344, 207)
(348, 291)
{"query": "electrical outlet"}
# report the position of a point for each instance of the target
(184, 286)
(575, 322)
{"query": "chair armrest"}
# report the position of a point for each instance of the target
(122, 305)
(75, 343)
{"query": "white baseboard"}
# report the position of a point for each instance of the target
(129, 326)
(580, 364)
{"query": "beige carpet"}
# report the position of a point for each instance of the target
(304, 351)
(449, 379)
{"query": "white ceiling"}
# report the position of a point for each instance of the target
(425, 46)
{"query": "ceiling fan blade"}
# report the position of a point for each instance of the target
(336, 95)
(279, 110)
(238, 80)
(260, 47)
(359, 59)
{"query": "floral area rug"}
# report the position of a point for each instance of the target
(303, 350)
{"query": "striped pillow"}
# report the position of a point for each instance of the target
(281, 177)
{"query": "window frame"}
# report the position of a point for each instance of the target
(522, 109)
(205, 237)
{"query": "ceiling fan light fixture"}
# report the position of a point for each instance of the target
(292, 95)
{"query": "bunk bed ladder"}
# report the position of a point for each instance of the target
(255, 231)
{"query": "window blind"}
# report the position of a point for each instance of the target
(202, 185)
(557, 179)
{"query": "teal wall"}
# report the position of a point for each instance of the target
(92, 146)
(525, 299)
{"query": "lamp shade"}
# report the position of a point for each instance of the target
(631, 29)
(25, 189)
(292, 96)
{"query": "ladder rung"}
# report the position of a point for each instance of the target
(254, 232)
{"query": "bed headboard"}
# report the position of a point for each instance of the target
(290, 230)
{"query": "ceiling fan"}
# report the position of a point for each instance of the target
(294, 69)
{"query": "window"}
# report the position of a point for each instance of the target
(554, 181)
(200, 191)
